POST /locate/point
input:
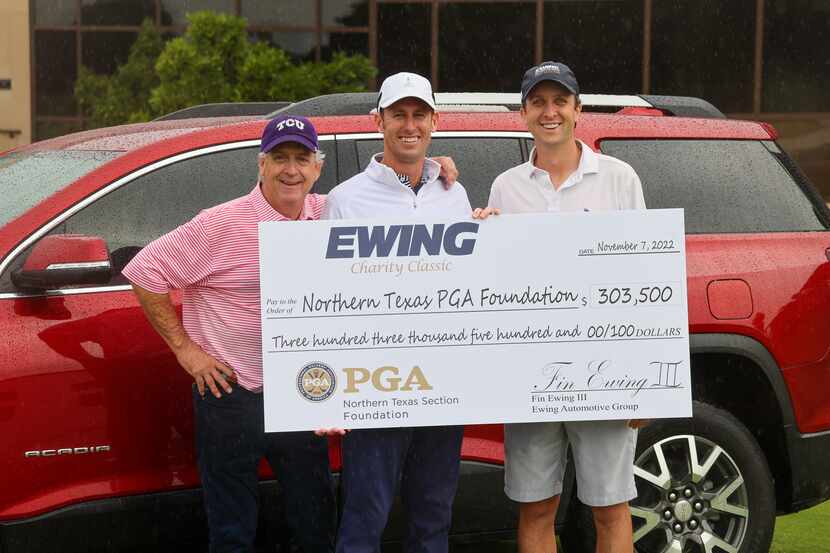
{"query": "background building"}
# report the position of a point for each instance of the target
(15, 75)
(758, 59)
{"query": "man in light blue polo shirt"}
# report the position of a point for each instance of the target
(564, 174)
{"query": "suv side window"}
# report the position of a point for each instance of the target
(142, 210)
(153, 204)
(725, 186)
(479, 160)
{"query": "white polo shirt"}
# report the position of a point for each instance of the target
(378, 192)
(600, 182)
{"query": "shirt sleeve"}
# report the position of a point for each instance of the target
(464, 199)
(179, 259)
(331, 209)
(637, 200)
(630, 190)
(495, 195)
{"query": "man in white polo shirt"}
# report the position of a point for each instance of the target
(564, 174)
(424, 462)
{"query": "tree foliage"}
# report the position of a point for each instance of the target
(212, 62)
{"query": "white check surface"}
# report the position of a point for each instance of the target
(572, 316)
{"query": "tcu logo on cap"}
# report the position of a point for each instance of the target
(291, 123)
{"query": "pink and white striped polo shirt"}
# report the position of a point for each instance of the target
(214, 259)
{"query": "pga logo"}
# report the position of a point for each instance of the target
(295, 123)
(316, 382)
(386, 379)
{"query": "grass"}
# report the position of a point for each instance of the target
(804, 532)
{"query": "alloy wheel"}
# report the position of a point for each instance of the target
(691, 498)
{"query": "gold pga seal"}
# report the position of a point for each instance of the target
(316, 381)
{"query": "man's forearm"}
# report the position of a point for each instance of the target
(162, 315)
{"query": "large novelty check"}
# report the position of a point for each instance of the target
(520, 318)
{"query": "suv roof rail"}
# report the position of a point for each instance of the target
(361, 103)
(512, 99)
(346, 103)
(684, 106)
(224, 109)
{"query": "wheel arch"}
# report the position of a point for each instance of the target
(724, 363)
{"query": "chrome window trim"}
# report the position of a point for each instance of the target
(84, 265)
(115, 185)
(66, 292)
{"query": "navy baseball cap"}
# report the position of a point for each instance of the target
(288, 128)
(549, 71)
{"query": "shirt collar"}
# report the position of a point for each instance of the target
(588, 163)
(266, 212)
(384, 174)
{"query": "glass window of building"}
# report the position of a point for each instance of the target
(55, 72)
(796, 56)
(347, 43)
(104, 51)
(287, 14)
(54, 12)
(117, 12)
(602, 41)
(485, 47)
(705, 48)
(403, 39)
(174, 12)
(299, 45)
(345, 13)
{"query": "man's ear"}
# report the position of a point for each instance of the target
(378, 118)
(261, 164)
(434, 120)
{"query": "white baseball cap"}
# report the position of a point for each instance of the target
(405, 85)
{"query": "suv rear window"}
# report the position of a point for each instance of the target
(479, 160)
(725, 186)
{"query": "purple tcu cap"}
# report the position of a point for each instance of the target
(288, 128)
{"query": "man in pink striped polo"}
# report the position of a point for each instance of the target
(214, 259)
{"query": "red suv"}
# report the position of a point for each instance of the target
(95, 413)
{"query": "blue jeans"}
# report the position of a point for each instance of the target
(230, 441)
(423, 461)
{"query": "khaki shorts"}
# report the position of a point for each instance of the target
(535, 455)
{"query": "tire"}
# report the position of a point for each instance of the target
(725, 504)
